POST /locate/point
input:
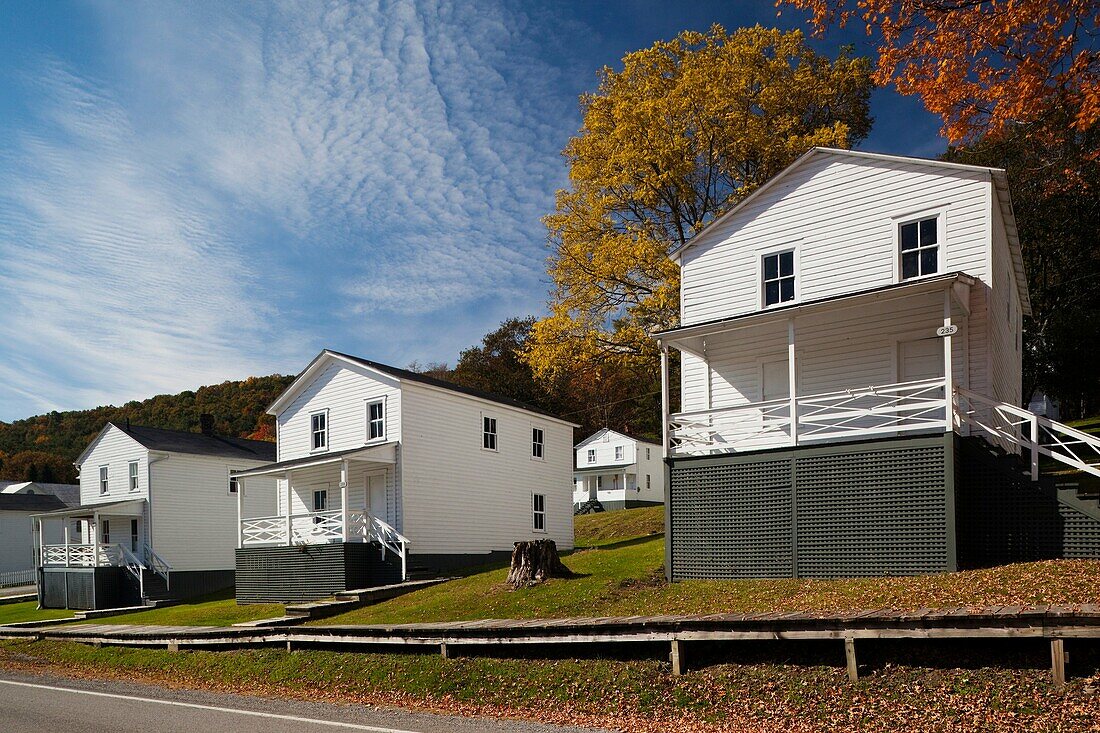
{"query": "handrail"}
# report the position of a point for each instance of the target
(158, 565)
(134, 566)
(377, 529)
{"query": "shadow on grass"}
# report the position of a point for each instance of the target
(620, 544)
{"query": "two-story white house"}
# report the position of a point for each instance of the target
(382, 471)
(850, 352)
(618, 471)
(157, 518)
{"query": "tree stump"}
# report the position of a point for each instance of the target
(535, 561)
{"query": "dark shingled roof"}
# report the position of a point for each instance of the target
(179, 441)
(443, 384)
(30, 503)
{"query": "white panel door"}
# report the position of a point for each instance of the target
(376, 497)
(920, 360)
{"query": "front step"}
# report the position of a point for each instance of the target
(349, 599)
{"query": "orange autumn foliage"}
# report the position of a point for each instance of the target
(984, 66)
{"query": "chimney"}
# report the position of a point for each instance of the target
(206, 423)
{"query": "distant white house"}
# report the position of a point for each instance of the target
(618, 470)
(382, 472)
(69, 494)
(157, 517)
(16, 539)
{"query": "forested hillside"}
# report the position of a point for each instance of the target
(43, 447)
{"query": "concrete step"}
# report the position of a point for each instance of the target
(349, 599)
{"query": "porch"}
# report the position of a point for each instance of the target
(340, 497)
(610, 485)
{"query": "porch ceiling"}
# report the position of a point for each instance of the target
(687, 338)
(381, 453)
(127, 508)
(619, 468)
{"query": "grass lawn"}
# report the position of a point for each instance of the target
(633, 695)
(593, 530)
(217, 609)
(11, 613)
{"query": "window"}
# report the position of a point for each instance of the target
(133, 535)
(599, 483)
(647, 483)
(320, 503)
(133, 475)
(647, 454)
(489, 433)
(536, 443)
(538, 514)
(376, 420)
(106, 531)
(920, 250)
(234, 483)
(318, 426)
(103, 480)
(591, 455)
(778, 280)
(618, 453)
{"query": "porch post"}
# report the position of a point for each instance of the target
(344, 498)
(289, 525)
(948, 376)
(665, 447)
(95, 541)
(792, 381)
(68, 522)
(240, 512)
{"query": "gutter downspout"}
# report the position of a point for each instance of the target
(150, 460)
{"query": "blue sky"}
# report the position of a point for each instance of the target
(197, 192)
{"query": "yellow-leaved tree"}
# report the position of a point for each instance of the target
(686, 129)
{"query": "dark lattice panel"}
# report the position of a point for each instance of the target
(871, 512)
(732, 520)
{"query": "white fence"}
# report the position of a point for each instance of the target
(17, 577)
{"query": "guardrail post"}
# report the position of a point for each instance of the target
(1034, 447)
(850, 659)
(1058, 662)
(676, 657)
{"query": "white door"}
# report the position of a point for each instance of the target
(920, 360)
(376, 497)
(775, 384)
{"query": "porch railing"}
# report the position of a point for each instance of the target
(874, 411)
(323, 527)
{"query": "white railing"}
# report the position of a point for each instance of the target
(70, 555)
(1010, 427)
(263, 531)
(875, 411)
(314, 528)
(129, 561)
(157, 564)
(17, 577)
(373, 529)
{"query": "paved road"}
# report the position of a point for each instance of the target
(36, 704)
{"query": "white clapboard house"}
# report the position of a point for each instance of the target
(850, 358)
(614, 470)
(382, 472)
(157, 518)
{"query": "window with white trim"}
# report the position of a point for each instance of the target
(777, 277)
(318, 430)
(538, 512)
(133, 475)
(919, 247)
(488, 432)
(618, 453)
(234, 482)
(106, 531)
(647, 482)
(320, 503)
(591, 455)
(376, 420)
(103, 484)
(647, 454)
(536, 443)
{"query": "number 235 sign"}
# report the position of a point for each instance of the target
(947, 330)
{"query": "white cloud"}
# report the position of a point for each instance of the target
(252, 185)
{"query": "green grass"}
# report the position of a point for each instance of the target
(593, 530)
(11, 613)
(218, 609)
(630, 695)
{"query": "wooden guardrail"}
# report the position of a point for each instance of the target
(1055, 623)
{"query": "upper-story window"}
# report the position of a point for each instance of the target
(318, 431)
(133, 475)
(103, 485)
(591, 455)
(536, 443)
(778, 277)
(488, 433)
(376, 420)
(618, 453)
(647, 454)
(919, 243)
(234, 482)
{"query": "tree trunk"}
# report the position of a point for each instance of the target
(535, 561)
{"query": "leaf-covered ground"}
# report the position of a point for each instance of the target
(631, 695)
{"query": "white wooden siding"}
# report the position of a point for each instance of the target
(16, 546)
(114, 449)
(1005, 320)
(305, 481)
(634, 452)
(457, 497)
(194, 515)
(841, 214)
(344, 390)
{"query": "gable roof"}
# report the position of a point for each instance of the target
(30, 503)
(182, 441)
(68, 493)
(997, 175)
(404, 375)
(603, 431)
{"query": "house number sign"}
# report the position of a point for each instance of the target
(947, 330)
